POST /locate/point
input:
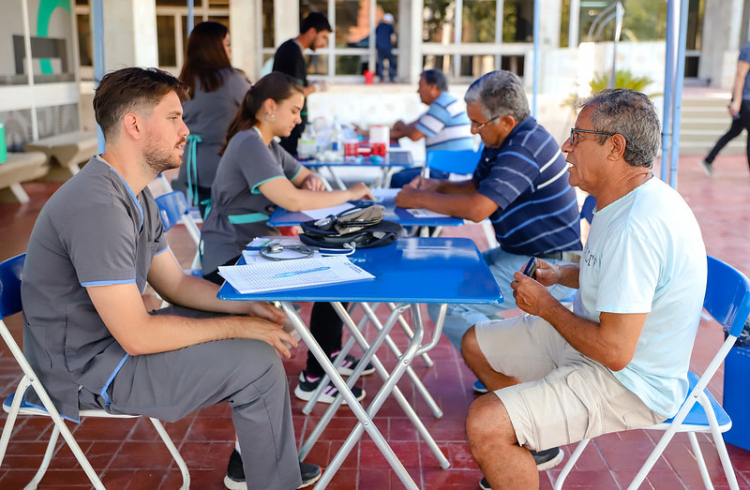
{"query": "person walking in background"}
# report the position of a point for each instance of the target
(739, 109)
(289, 59)
(215, 90)
(384, 35)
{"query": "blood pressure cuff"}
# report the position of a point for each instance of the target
(360, 226)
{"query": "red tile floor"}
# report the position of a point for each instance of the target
(128, 456)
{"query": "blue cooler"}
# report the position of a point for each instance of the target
(737, 396)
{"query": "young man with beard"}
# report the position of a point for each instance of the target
(289, 59)
(87, 333)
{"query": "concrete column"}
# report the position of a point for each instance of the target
(245, 25)
(130, 33)
(410, 40)
(722, 21)
(286, 21)
(549, 24)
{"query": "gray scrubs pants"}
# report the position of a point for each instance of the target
(246, 373)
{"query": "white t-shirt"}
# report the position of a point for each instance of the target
(645, 254)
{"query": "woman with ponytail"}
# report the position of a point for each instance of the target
(215, 91)
(255, 175)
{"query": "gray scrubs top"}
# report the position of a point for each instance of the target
(208, 115)
(239, 210)
(93, 231)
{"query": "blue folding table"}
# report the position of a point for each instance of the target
(410, 271)
(397, 157)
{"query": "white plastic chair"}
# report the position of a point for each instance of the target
(14, 405)
(728, 302)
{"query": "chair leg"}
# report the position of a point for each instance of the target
(174, 452)
(45, 460)
(10, 422)
(570, 464)
(652, 458)
(700, 460)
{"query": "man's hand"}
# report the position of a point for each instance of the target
(400, 126)
(530, 296)
(547, 274)
(271, 333)
(261, 309)
(360, 191)
(408, 197)
(426, 184)
(313, 183)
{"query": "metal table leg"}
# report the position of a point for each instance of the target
(345, 394)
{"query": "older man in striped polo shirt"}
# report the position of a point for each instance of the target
(520, 184)
(445, 125)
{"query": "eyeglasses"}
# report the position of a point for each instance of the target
(573, 132)
(480, 126)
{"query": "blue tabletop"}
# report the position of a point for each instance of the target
(410, 270)
(396, 158)
(282, 217)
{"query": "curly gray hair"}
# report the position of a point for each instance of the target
(499, 93)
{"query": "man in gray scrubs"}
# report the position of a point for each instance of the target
(87, 333)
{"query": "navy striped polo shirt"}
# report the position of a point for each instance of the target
(527, 178)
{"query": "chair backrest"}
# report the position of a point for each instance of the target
(172, 207)
(457, 162)
(587, 210)
(10, 285)
(727, 296)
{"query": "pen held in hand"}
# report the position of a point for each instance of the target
(297, 273)
(421, 177)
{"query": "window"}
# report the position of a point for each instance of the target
(165, 34)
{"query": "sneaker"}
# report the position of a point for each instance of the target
(479, 387)
(308, 384)
(350, 364)
(235, 479)
(544, 460)
(707, 167)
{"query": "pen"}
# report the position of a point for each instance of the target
(421, 176)
(297, 273)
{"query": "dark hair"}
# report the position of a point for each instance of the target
(132, 90)
(631, 114)
(276, 86)
(437, 78)
(205, 57)
(317, 21)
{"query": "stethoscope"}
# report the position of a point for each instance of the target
(271, 252)
(327, 223)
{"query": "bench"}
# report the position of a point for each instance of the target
(65, 152)
(20, 167)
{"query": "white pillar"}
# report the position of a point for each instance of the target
(549, 24)
(285, 20)
(410, 24)
(245, 25)
(721, 32)
(130, 33)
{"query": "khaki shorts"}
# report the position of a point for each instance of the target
(564, 396)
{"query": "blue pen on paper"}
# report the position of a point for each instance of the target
(297, 273)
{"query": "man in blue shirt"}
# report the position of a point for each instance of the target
(520, 184)
(445, 125)
(383, 43)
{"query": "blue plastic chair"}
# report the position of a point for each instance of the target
(173, 208)
(457, 162)
(728, 302)
(11, 271)
(587, 209)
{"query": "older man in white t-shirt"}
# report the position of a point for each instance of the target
(619, 360)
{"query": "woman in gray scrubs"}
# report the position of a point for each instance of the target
(255, 175)
(215, 90)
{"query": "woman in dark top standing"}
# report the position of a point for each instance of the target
(216, 90)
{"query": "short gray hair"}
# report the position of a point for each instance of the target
(631, 114)
(499, 93)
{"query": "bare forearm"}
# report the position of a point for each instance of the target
(569, 275)
(164, 333)
(463, 188)
(582, 334)
(199, 294)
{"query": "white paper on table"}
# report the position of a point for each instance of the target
(426, 213)
(325, 212)
(292, 274)
(381, 194)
